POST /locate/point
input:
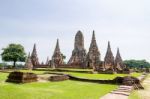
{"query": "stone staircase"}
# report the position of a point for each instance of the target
(121, 93)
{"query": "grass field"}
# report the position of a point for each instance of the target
(52, 90)
(58, 90)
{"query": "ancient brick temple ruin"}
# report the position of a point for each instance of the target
(79, 53)
(58, 57)
(28, 63)
(93, 56)
(81, 59)
(119, 65)
(34, 57)
(109, 60)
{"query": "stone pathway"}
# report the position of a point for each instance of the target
(121, 93)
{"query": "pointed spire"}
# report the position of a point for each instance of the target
(34, 56)
(118, 53)
(118, 60)
(93, 36)
(93, 54)
(118, 56)
(93, 42)
(109, 48)
(109, 58)
(28, 63)
(34, 46)
(29, 55)
(57, 48)
(57, 58)
(47, 61)
(34, 50)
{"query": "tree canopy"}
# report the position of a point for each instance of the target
(14, 53)
(137, 63)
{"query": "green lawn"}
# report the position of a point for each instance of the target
(52, 90)
(58, 90)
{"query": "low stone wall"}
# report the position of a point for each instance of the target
(91, 80)
(52, 77)
(128, 80)
(117, 80)
(20, 77)
(85, 80)
(58, 78)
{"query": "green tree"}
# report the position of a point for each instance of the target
(137, 64)
(14, 53)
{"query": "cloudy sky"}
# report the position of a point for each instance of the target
(125, 23)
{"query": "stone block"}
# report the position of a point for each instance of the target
(21, 77)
